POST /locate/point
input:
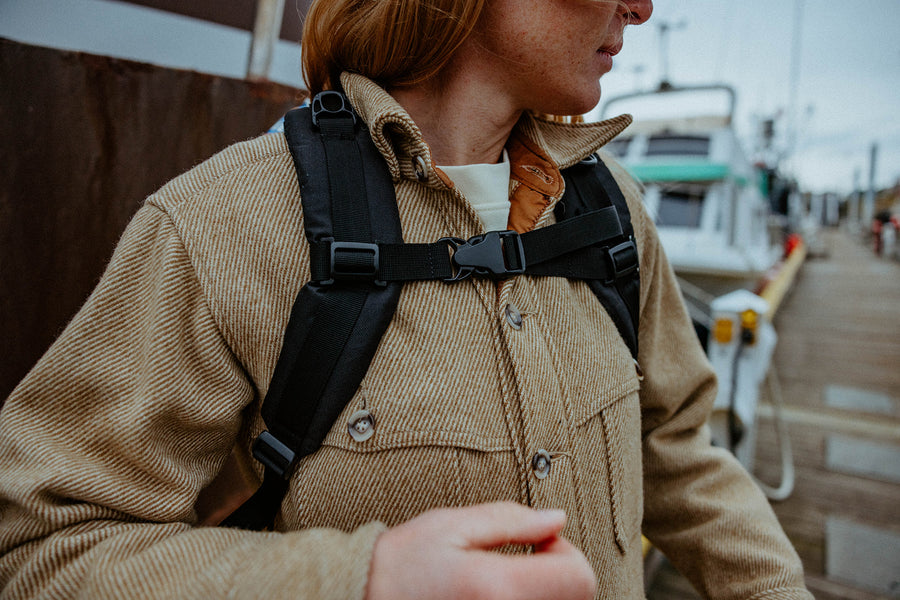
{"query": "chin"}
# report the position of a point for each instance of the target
(575, 106)
(578, 102)
(566, 98)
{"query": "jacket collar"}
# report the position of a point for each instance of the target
(408, 156)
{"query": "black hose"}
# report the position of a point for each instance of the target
(735, 428)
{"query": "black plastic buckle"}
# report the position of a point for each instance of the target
(354, 261)
(268, 450)
(623, 260)
(330, 105)
(485, 255)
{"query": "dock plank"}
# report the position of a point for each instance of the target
(838, 328)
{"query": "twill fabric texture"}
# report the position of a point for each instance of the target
(129, 440)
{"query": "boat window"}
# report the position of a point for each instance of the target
(680, 205)
(678, 145)
(618, 147)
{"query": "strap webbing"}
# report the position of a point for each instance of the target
(591, 184)
(333, 333)
(577, 248)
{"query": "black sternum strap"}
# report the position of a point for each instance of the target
(589, 246)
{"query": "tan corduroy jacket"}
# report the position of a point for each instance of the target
(107, 443)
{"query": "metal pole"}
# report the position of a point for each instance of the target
(663, 53)
(266, 31)
(869, 207)
(664, 29)
(796, 46)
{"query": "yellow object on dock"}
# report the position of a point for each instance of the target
(777, 287)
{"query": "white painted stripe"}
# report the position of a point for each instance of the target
(863, 556)
(143, 34)
(863, 457)
(858, 424)
(848, 398)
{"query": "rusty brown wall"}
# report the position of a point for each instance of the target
(83, 140)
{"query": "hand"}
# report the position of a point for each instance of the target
(443, 554)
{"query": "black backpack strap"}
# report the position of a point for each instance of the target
(334, 328)
(593, 240)
(591, 186)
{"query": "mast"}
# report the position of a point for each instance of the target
(796, 44)
(664, 28)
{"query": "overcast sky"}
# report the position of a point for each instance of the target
(847, 92)
(848, 89)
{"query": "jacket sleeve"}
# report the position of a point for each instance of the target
(106, 444)
(701, 508)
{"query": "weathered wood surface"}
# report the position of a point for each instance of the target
(840, 326)
(83, 140)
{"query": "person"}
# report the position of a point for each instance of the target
(107, 444)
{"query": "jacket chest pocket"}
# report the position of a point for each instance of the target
(389, 457)
(608, 468)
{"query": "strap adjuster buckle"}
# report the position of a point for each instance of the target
(495, 254)
(354, 261)
(275, 455)
(330, 105)
(622, 259)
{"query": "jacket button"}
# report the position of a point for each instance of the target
(361, 425)
(421, 168)
(513, 316)
(540, 464)
(638, 370)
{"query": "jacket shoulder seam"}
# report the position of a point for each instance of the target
(173, 202)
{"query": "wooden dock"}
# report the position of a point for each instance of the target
(838, 365)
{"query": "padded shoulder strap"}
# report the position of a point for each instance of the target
(589, 187)
(335, 326)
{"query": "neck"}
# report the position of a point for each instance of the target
(462, 121)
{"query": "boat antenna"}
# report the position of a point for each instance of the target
(796, 47)
(664, 28)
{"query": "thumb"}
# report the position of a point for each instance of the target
(487, 526)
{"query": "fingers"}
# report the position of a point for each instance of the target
(445, 554)
(559, 572)
(491, 525)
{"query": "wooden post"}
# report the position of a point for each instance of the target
(266, 31)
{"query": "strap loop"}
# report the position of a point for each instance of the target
(623, 260)
(275, 455)
(331, 105)
(354, 261)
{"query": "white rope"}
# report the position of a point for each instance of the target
(786, 487)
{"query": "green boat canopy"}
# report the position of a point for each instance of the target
(684, 171)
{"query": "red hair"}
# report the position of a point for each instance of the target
(396, 43)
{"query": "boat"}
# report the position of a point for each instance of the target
(713, 209)
(705, 195)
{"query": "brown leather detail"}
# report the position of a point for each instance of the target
(443, 177)
(539, 182)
